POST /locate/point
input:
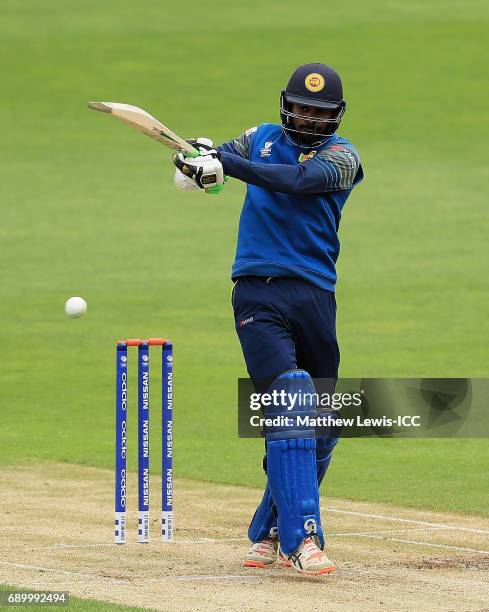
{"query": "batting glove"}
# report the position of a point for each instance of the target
(204, 146)
(205, 170)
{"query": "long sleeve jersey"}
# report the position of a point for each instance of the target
(292, 209)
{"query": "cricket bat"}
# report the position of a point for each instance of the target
(145, 123)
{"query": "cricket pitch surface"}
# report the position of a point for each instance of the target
(57, 533)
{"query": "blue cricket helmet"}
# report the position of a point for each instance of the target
(315, 85)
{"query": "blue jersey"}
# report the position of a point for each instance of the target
(292, 210)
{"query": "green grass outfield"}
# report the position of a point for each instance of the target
(89, 208)
(74, 603)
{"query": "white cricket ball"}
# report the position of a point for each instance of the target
(75, 306)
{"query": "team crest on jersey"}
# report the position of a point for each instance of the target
(304, 156)
(267, 149)
(314, 82)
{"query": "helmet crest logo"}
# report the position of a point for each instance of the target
(314, 82)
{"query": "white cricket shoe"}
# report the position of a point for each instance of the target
(308, 559)
(261, 554)
(283, 559)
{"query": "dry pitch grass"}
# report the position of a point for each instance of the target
(56, 533)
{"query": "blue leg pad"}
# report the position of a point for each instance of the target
(293, 483)
(324, 450)
(291, 461)
(264, 522)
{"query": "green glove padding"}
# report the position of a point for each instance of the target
(218, 188)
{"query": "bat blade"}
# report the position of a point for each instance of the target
(147, 124)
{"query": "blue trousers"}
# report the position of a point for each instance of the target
(285, 323)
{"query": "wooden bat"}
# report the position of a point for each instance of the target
(145, 123)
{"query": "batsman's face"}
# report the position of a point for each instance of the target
(311, 117)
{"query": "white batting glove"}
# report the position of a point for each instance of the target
(205, 171)
(184, 182)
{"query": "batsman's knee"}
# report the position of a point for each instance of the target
(293, 407)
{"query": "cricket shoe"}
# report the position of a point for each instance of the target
(283, 559)
(261, 554)
(308, 559)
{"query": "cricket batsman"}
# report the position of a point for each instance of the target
(299, 175)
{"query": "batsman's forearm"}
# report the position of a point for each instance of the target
(283, 178)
